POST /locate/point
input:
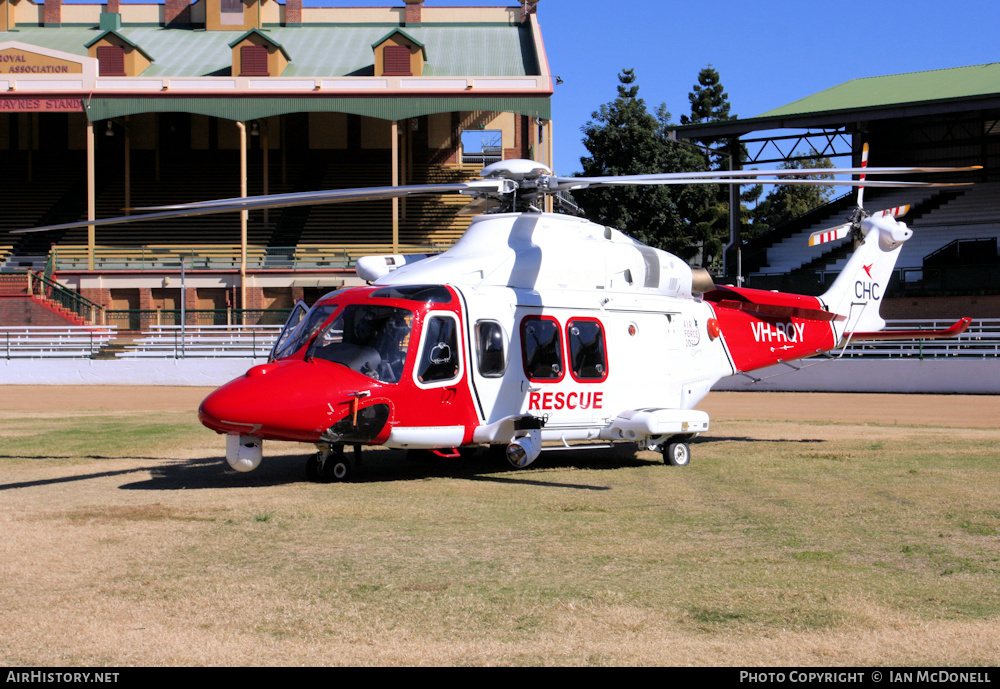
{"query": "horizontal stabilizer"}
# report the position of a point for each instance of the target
(777, 310)
(958, 328)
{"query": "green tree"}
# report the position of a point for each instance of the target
(709, 100)
(786, 202)
(624, 138)
(710, 103)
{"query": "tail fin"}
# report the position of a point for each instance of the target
(858, 290)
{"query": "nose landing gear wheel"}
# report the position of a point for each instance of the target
(328, 467)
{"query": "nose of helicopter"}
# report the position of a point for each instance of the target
(293, 400)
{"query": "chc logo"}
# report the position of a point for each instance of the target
(867, 290)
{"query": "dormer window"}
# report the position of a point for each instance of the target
(398, 54)
(253, 61)
(397, 61)
(117, 56)
(255, 54)
(111, 60)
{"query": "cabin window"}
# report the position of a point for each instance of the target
(396, 61)
(253, 61)
(111, 60)
(491, 349)
(587, 355)
(439, 357)
(541, 346)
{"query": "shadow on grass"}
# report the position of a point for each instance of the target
(377, 466)
(744, 439)
(381, 466)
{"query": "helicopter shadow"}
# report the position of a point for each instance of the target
(35, 483)
(386, 466)
(747, 439)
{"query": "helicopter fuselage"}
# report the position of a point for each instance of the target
(533, 328)
(465, 366)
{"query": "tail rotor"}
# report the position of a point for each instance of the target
(853, 225)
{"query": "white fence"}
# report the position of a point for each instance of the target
(981, 340)
(57, 341)
(211, 341)
(213, 355)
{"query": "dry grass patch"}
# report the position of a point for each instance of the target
(129, 542)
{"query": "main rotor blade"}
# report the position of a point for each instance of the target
(733, 174)
(494, 186)
(583, 183)
(305, 198)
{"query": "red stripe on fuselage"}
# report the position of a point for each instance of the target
(756, 340)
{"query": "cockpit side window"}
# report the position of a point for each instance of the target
(440, 357)
(541, 345)
(491, 349)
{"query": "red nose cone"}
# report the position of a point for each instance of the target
(286, 400)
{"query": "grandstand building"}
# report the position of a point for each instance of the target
(109, 107)
(947, 117)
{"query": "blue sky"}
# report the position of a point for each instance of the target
(768, 52)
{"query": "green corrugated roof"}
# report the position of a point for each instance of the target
(898, 89)
(344, 50)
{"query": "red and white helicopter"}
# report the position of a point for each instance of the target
(534, 330)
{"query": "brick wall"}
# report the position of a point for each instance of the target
(942, 307)
(293, 12)
(177, 12)
(414, 9)
(26, 311)
(52, 12)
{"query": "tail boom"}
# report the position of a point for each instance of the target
(762, 328)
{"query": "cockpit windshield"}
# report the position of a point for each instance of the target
(370, 339)
(291, 341)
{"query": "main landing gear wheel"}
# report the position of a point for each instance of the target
(677, 454)
(328, 467)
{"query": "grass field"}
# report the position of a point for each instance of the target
(128, 541)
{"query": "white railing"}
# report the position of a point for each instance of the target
(208, 341)
(55, 341)
(981, 341)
